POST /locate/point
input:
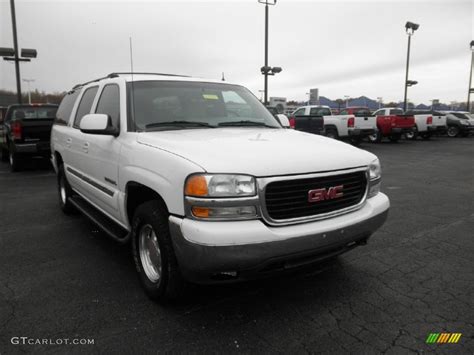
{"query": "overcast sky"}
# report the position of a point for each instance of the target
(341, 47)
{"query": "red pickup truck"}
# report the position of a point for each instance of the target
(392, 123)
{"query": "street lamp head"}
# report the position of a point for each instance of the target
(28, 53)
(276, 70)
(411, 82)
(265, 69)
(472, 45)
(7, 52)
(411, 27)
(268, 2)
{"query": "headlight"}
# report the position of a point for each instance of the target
(375, 175)
(375, 171)
(221, 197)
(221, 185)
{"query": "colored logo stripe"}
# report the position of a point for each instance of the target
(443, 338)
(432, 338)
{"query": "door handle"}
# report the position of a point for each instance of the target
(69, 142)
(85, 147)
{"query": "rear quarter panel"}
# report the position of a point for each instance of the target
(338, 121)
(420, 122)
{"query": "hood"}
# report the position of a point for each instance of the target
(258, 151)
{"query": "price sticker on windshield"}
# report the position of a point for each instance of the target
(210, 97)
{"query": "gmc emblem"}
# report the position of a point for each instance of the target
(325, 194)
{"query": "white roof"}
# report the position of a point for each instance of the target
(154, 77)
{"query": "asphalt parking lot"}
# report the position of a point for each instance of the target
(61, 278)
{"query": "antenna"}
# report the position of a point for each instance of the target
(133, 84)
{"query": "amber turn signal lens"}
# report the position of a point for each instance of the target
(200, 212)
(196, 186)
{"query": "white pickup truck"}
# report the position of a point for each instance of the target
(426, 124)
(205, 184)
(347, 126)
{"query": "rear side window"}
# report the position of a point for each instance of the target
(65, 108)
(396, 111)
(109, 103)
(85, 105)
(320, 111)
(299, 112)
(361, 113)
(344, 112)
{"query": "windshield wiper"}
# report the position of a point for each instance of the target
(179, 123)
(245, 123)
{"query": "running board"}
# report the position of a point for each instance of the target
(110, 227)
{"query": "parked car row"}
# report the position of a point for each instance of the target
(353, 124)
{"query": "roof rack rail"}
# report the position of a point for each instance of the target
(89, 82)
(117, 74)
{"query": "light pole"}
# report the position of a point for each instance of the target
(470, 79)
(410, 28)
(347, 100)
(13, 55)
(28, 81)
(380, 99)
(267, 70)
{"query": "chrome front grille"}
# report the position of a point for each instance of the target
(285, 199)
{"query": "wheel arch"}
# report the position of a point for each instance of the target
(136, 194)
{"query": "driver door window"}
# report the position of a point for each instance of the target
(299, 112)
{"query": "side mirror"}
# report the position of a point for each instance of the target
(283, 120)
(98, 123)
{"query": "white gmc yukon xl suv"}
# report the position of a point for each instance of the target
(205, 183)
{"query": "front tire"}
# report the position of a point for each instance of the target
(412, 135)
(375, 137)
(453, 131)
(153, 253)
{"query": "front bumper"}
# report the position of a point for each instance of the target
(466, 128)
(210, 252)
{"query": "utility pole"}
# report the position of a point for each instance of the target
(15, 47)
(13, 55)
(410, 28)
(266, 70)
(266, 56)
(468, 108)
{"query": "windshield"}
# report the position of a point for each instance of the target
(162, 105)
(37, 112)
(461, 115)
